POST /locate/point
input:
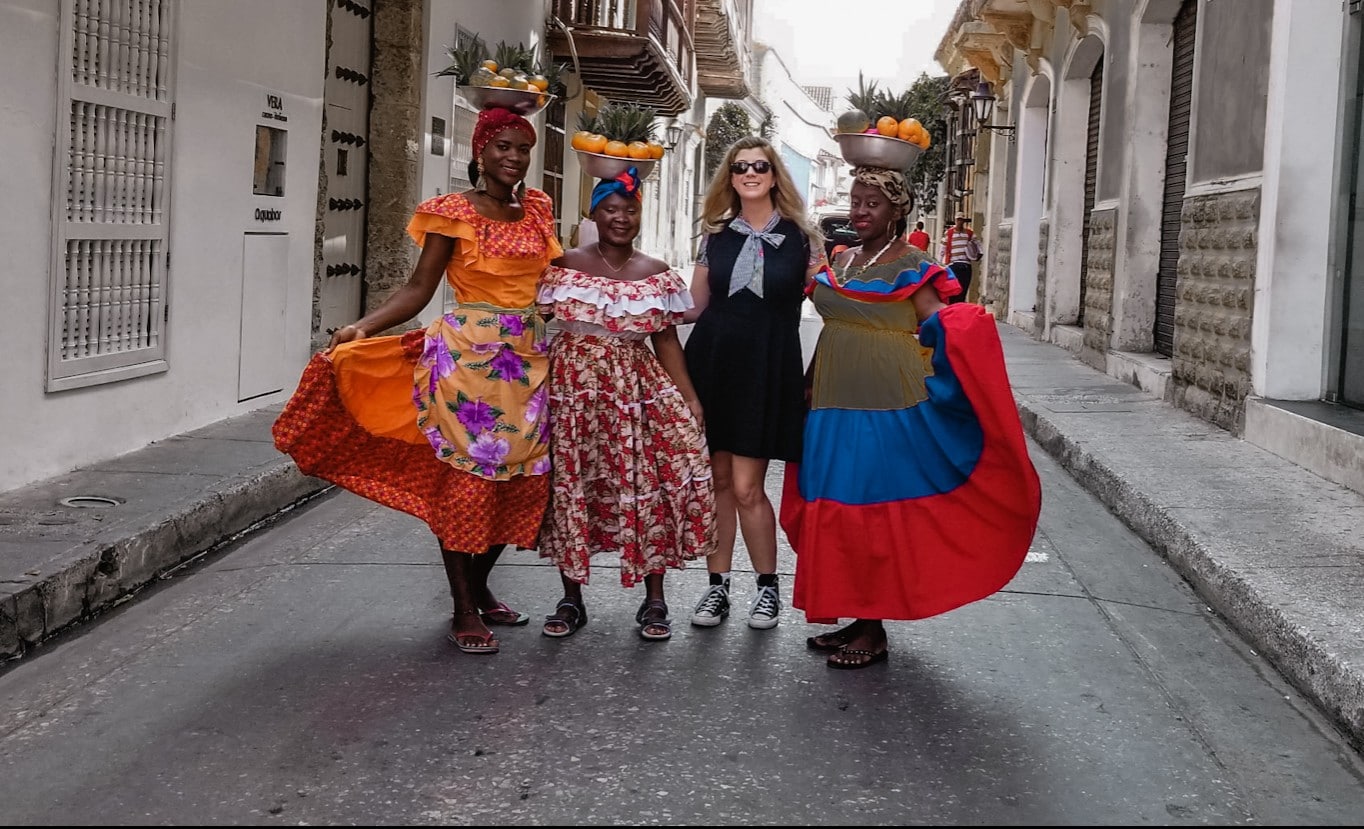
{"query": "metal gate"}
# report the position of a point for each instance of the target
(1176, 173)
(346, 96)
(1096, 86)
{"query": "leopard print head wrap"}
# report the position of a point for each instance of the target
(890, 182)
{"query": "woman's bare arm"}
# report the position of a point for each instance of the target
(407, 301)
(668, 349)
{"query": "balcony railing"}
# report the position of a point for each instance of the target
(631, 50)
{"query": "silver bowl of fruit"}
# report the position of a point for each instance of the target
(525, 102)
(869, 149)
(600, 165)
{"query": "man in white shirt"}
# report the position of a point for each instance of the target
(959, 250)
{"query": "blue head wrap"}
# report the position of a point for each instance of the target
(627, 184)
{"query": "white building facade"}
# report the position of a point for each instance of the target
(1165, 210)
(197, 192)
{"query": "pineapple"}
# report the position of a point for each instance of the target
(516, 58)
(587, 122)
(865, 96)
(626, 122)
(898, 107)
(864, 102)
(466, 59)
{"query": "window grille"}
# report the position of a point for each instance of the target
(110, 186)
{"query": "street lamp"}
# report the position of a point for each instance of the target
(983, 102)
(672, 135)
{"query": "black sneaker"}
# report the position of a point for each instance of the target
(713, 607)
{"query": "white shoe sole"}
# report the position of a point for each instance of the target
(762, 624)
(708, 621)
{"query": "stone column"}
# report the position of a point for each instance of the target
(396, 85)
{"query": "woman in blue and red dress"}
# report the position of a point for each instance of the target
(915, 493)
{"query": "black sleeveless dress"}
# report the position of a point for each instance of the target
(744, 353)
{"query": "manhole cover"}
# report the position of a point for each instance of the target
(88, 501)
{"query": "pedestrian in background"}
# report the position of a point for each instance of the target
(448, 424)
(960, 250)
(744, 356)
(915, 493)
(918, 238)
(631, 474)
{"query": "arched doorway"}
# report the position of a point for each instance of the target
(1033, 127)
(1074, 162)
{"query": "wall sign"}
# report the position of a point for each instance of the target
(274, 108)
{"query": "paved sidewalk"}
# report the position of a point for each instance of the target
(1276, 550)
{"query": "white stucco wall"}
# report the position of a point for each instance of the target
(229, 57)
(802, 126)
(28, 34)
(513, 21)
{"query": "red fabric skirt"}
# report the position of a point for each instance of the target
(395, 466)
(919, 557)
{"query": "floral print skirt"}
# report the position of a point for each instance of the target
(449, 425)
(631, 472)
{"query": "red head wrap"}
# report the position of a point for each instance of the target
(493, 121)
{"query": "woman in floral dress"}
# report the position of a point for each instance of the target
(449, 424)
(631, 475)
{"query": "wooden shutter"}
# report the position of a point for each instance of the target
(1096, 86)
(1176, 173)
(107, 306)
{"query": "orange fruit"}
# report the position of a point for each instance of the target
(887, 125)
(619, 149)
(498, 81)
(490, 65)
(595, 143)
(925, 140)
(909, 128)
(580, 140)
(655, 149)
(540, 82)
(638, 149)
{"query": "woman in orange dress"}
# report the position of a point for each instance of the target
(449, 424)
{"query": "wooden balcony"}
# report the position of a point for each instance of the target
(630, 50)
(722, 30)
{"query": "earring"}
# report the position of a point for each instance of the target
(482, 184)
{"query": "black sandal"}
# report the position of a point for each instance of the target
(569, 626)
(834, 640)
(665, 625)
(861, 658)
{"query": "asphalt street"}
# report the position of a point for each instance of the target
(303, 677)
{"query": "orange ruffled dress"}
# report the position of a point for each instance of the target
(449, 424)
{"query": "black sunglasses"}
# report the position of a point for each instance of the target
(738, 168)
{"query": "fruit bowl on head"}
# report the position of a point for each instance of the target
(867, 149)
(524, 102)
(601, 165)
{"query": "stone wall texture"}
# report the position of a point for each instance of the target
(1098, 325)
(1043, 237)
(1215, 296)
(994, 293)
(396, 84)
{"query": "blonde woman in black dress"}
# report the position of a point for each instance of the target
(744, 357)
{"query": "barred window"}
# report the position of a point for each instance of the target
(108, 286)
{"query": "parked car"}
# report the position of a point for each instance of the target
(834, 224)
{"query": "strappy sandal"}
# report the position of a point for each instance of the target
(473, 642)
(565, 627)
(861, 658)
(654, 629)
(500, 614)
